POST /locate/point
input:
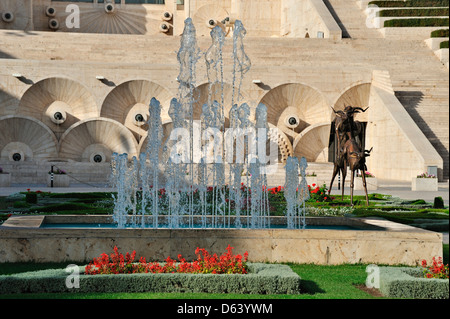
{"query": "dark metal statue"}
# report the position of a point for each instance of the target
(348, 135)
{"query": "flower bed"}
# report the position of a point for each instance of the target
(228, 273)
(405, 282)
(261, 279)
(205, 263)
(437, 269)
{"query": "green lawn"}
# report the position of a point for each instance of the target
(318, 282)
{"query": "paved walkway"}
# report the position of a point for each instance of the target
(394, 188)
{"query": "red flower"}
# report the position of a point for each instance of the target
(205, 263)
(436, 270)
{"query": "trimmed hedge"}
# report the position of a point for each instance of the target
(441, 33)
(261, 279)
(417, 22)
(414, 12)
(411, 3)
(405, 282)
(443, 45)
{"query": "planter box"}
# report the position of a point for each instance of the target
(371, 184)
(403, 282)
(5, 180)
(424, 184)
(261, 279)
(59, 180)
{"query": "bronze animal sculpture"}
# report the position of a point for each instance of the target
(349, 135)
(344, 126)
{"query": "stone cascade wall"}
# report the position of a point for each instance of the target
(402, 150)
(262, 18)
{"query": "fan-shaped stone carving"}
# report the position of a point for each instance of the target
(15, 15)
(293, 107)
(115, 20)
(58, 103)
(284, 145)
(130, 100)
(358, 96)
(24, 138)
(312, 143)
(206, 18)
(8, 103)
(86, 140)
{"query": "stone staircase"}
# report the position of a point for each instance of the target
(351, 19)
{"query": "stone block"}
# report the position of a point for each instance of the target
(5, 179)
(424, 184)
(59, 180)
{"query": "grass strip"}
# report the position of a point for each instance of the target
(417, 22)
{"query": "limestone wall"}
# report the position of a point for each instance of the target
(306, 19)
(22, 240)
(262, 18)
(400, 150)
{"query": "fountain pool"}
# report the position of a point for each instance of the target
(23, 239)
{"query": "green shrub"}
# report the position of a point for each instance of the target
(21, 204)
(438, 201)
(411, 3)
(443, 45)
(414, 12)
(262, 279)
(93, 195)
(31, 198)
(441, 33)
(404, 282)
(61, 208)
(417, 22)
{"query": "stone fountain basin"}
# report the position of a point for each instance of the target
(376, 241)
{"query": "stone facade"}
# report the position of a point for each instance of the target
(70, 96)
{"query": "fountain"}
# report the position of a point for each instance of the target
(194, 167)
(206, 187)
